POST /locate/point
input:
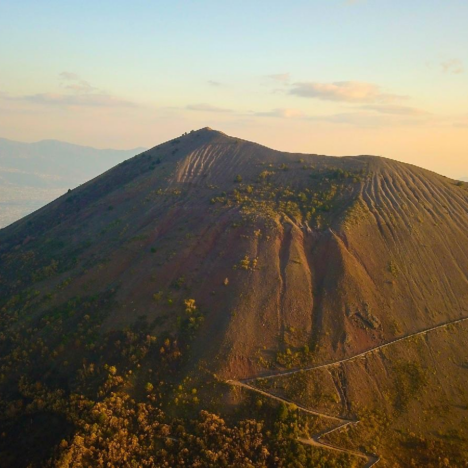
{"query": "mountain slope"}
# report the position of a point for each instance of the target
(244, 261)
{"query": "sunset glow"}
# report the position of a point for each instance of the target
(335, 77)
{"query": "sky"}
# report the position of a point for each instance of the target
(337, 77)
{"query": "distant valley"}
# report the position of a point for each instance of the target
(34, 174)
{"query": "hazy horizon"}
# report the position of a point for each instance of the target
(34, 174)
(142, 148)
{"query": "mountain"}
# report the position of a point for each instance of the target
(33, 174)
(213, 302)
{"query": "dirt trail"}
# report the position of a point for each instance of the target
(357, 356)
(315, 439)
(239, 383)
(371, 459)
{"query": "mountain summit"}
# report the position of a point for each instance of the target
(244, 262)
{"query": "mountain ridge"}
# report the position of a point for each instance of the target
(66, 143)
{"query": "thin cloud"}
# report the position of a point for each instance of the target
(452, 66)
(82, 87)
(69, 76)
(281, 113)
(396, 110)
(280, 77)
(80, 94)
(215, 83)
(363, 116)
(344, 91)
(76, 84)
(365, 119)
(202, 107)
(460, 121)
(75, 100)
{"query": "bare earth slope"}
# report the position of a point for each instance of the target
(292, 260)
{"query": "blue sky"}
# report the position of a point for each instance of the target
(334, 77)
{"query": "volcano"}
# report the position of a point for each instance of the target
(338, 285)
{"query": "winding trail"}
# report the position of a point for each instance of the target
(315, 440)
(239, 383)
(356, 356)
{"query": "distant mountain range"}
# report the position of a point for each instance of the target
(33, 174)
